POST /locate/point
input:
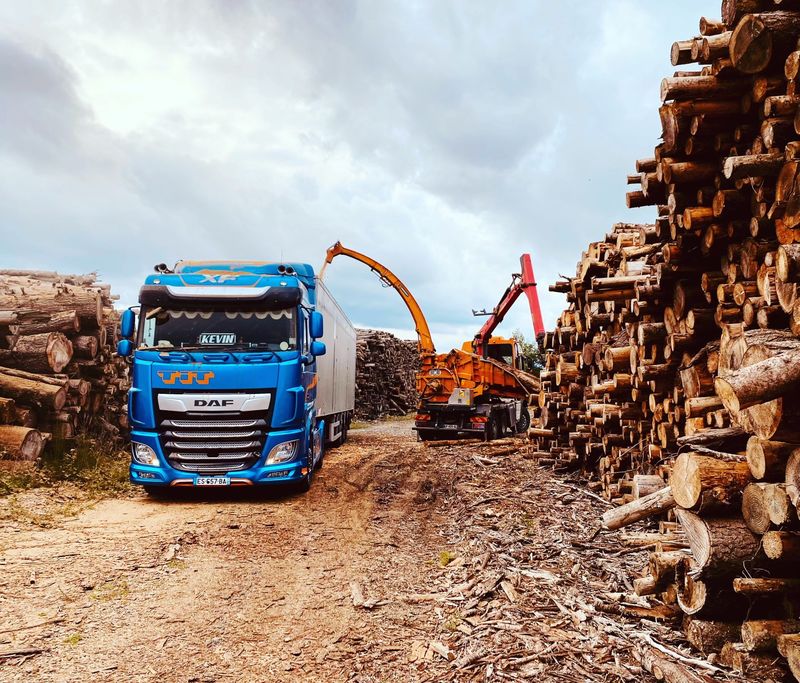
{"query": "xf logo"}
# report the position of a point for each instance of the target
(186, 377)
(218, 279)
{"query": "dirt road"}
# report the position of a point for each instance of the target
(399, 560)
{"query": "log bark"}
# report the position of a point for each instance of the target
(719, 546)
(765, 586)
(21, 443)
(709, 636)
(760, 382)
(703, 482)
(8, 411)
(752, 43)
(781, 545)
(762, 634)
(46, 352)
(636, 510)
(789, 647)
(26, 391)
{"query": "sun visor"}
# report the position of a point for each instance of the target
(265, 298)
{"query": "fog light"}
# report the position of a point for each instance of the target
(283, 452)
(144, 455)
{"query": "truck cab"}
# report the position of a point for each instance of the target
(502, 350)
(229, 386)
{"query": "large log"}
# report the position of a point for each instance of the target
(21, 443)
(765, 586)
(703, 482)
(30, 392)
(760, 382)
(709, 636)
(46, 352)
(54, 298)
(720, 546)
(8, 411)
(641, 508)
(762, 634)
(781, 545)
(767, 459)
(751, 45)
(755, 508)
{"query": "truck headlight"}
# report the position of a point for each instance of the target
(283, 452)
(144, 455)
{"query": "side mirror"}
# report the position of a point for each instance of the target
(127, 324)
(124, 346)
(316, 325)
(317, 348)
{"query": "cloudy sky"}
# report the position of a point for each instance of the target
(443, 138)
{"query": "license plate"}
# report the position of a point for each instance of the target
(212, 481)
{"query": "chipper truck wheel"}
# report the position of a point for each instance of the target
(493, 428)
(524, 422)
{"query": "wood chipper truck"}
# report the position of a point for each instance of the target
(242, 372)
(461, 393)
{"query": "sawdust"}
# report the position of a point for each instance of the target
(345, 583)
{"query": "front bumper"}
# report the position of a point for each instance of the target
(257, 475)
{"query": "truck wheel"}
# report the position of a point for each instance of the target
(156, 491)
(304, 485)
(524, 422)
(493, 428)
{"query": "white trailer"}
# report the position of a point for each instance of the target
(336, 370)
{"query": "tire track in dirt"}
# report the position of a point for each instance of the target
(223, 587)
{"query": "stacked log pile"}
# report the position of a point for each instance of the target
(673, 377)
(59, 376)
(386, 369)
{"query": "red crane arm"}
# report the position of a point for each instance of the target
(521, 283)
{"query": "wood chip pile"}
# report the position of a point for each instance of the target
(58, 374)
(673, 377)
(386, 369)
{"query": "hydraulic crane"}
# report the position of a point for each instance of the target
(461, 393)
(523, 282)
(506, 350)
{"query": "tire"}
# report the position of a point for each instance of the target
(304, 485)
(492, 428)
(524, 422)
(156, 491)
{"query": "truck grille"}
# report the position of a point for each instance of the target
(198, 443)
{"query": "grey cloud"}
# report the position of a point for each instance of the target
(443, 138)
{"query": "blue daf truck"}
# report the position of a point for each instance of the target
(242, 373)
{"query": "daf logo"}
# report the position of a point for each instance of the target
(212, 402)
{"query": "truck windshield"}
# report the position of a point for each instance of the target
(175, 328)
(502, 352)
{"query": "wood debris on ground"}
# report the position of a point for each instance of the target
(672, 379)
(538, 589)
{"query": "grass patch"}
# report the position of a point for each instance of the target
(45, 519)
(98, 469)
(453, 622)
(446, 557)
(73, 639)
